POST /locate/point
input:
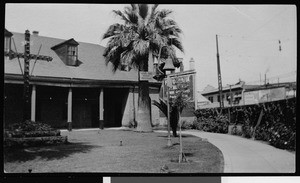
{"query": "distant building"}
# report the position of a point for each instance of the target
(243, 94)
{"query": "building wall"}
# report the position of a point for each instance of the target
(120, 106)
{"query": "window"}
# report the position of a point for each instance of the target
(211, 99)
(72, 54)
(7, 44)
(219, 98)
(7, 40)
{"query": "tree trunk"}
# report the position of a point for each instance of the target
(144, 102)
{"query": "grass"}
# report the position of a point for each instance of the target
(100, 151)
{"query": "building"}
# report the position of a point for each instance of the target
(243, 94)
(76, 87)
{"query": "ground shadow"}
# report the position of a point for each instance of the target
(46, 152)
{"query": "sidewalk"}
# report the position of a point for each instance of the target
(243, 155)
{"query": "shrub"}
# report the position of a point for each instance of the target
(30, 129)
(187, 125)
(277, 126)
(210, 120)
(30, 126)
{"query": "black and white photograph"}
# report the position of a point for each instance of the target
(156, 89)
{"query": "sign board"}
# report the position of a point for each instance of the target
(145, 76)
(181, 82)
(266, 95)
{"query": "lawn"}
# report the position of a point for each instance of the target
(100, 151)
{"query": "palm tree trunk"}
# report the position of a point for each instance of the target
(144, 102)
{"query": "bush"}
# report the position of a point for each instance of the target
(277, 126)
(187, 125)
(30, 126)
(209, 120)
(30, 129)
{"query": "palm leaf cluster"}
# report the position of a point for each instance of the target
(144, 29)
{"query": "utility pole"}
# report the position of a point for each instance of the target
(219, 75)
(265, 79)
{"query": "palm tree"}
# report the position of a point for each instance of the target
(145, 30)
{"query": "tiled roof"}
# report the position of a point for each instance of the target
(93, 65)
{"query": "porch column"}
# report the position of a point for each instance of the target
(70, 110)
(33, 102)
(101, 110)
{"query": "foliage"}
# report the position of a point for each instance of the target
(210, 120)
(176, 106)
(30, 126)
(161, 105)
(187, 125)
(277, 126)
(143, 32)
(145, 29)
(30, 129)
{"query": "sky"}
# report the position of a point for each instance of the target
(248, 35)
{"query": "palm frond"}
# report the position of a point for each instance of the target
(143, 30)
(177, 44)
(161, 105)
(114, 57)
(164, 13)
(141, 46)
(123, 17)
(113, 30)
(132, 17)
(143, 10)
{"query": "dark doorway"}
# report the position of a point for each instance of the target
(13, 104)
(114, 104)
(85, 108)
(51, 105)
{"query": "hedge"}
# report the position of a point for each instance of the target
(277, 126)
(30, 133)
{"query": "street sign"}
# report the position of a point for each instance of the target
(181, 82)
(145, 76)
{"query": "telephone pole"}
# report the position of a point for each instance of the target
(219, 75)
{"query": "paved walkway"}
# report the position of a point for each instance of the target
(243, 155)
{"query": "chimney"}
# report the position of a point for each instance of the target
(192, 64)
(35, 33)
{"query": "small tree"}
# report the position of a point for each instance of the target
(179, 103)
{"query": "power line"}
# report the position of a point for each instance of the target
(260, 27)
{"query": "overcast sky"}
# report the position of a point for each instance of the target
(248, 35)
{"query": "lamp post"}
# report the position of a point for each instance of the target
(168, 67)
